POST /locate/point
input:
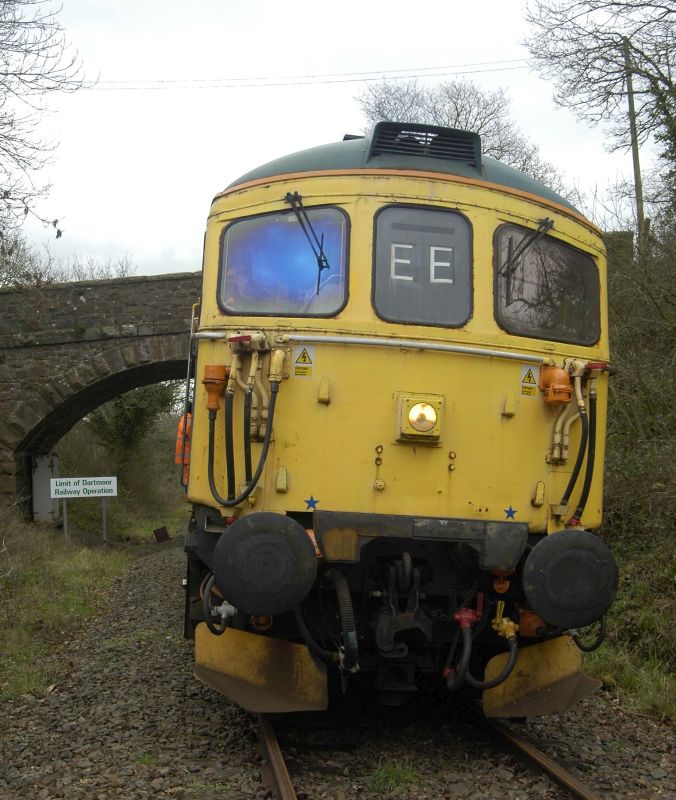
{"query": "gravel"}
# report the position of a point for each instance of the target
(129, 721)
(449, 755)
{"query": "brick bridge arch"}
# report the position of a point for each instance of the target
(65, 349)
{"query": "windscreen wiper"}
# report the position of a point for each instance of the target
(514, 253)
(316, 243)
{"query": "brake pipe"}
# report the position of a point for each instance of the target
(558, 436)
(350, 660)
(317, 651)
(228, 425)
(275, 377)
(260, 398)
(261, 393)
(577, 383)
(504, 674)
(565, 439)
(463, 665)
(456, 677)
(507, 629)
(598, 641)
(206, 590)
(591, 455)
(248, 395)
(238, 374)
(465, 617)
(233, 501)
(257, 398)
(247, 435)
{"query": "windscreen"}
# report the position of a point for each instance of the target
(268, 265)
(550, 291)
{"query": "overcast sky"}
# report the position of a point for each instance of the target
(192, 95)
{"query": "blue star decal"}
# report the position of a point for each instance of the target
(510, 512)
(311, 503)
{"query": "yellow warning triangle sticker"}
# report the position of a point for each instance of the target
(304, 358)
(527, 378)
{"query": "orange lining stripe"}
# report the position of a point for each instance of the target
(414, 174)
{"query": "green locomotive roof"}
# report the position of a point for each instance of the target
(406, 146)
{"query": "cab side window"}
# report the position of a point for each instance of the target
(423, 266)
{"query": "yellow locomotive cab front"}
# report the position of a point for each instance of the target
(399, 376)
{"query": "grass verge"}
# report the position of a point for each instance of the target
(49, 590)
(636, 664)
(644, 686)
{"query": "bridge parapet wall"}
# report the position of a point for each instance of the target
(65, 348)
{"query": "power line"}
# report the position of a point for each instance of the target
(321, 75)
(301, 80)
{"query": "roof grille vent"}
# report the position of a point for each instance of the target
(430, 141)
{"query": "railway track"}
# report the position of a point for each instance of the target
(554, 770)
(276, 774)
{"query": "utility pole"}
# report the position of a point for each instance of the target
(638, 185)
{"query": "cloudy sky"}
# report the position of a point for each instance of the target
(191, 95)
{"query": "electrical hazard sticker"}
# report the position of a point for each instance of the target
(528, 381)
(303, 361)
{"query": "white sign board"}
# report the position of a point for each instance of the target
(65, 488)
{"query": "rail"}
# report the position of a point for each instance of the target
(554, 770)
(277, 773)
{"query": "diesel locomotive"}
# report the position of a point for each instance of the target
(398, 376)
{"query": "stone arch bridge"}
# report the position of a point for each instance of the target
(67, 348)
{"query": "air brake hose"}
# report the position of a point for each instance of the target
(229, 443)
(247, 435)
(455, 682)
(216, 629)
(306, 636)
(506, 672)
(347, 622)
(598, 641)
(579, 459)
(591, 454)
(229, 502)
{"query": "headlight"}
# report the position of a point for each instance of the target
(422, 417)
(419, 417)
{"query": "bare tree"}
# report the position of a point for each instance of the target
(23, 266)
(590, 47)
(613, 61)
(35, 60)
(462, 104)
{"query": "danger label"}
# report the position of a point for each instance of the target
(303, 361)
(528, 382)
